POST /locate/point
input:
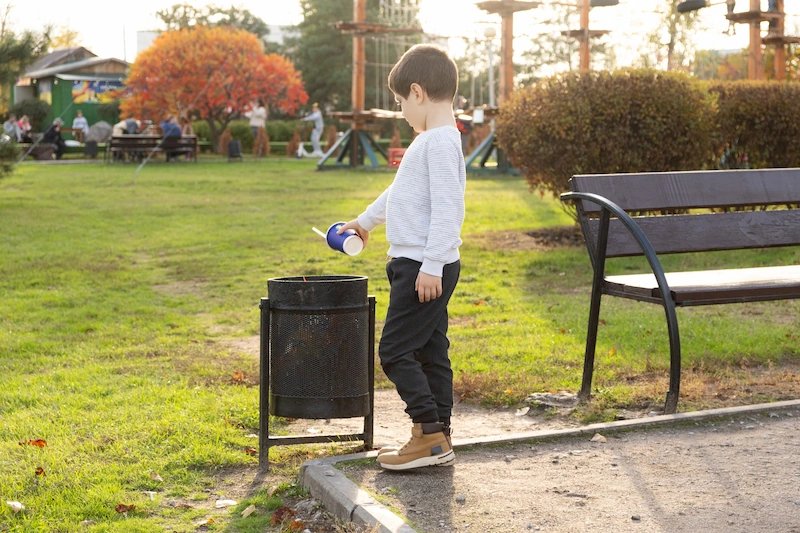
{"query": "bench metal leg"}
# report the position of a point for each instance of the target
(591, 343)
(671, 405)
(594, 310)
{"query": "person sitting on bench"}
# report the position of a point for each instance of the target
(52, 135)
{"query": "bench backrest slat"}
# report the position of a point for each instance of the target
(686, 190)
(702, 233)
(677, 233)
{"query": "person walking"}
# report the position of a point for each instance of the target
(258, 117)
(316, 133)
(423, 210)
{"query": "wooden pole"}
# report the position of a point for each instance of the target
(584, 39)
(779, 61)
(755, 67)
(507, 57)
(359, 58)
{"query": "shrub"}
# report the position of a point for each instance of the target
(759, 123)
(600, 122)
(37, 110)
(9, 153)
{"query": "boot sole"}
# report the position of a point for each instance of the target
(446, 459)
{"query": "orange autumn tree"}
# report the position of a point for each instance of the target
(212, 74)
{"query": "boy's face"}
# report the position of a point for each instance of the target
(413, 108)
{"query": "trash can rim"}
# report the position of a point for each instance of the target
(316, 279)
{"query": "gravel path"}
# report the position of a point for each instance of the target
(729, 475)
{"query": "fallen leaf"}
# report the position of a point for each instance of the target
(563, 330)
(480, 302)
(238, 377)
(204, 522)
(224, 503)
(280, 515)
(603, 321)
(16, 506)
(124, 508)
(251, 451)
(40, 471)
(272, 490)
(612, 351)
(155, 477)
(598, 438)
(247, 512)
(39, 443)
(296, 525)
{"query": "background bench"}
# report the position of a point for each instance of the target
(686, 212)
(138, 147)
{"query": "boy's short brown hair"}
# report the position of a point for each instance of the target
(431, 67)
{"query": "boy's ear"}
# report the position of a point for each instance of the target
(417, 92)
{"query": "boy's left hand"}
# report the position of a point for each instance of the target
(428, 287)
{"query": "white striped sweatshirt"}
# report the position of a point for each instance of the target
(423, 208)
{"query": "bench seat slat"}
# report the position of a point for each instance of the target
(712, 286)
(705, 232)
(687, 190)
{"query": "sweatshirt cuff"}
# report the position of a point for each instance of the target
(365, 222)
(431, 267)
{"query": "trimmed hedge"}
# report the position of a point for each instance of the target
(278, 130)
(759, 123)
(601, 122)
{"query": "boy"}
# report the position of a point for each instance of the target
(423, 210)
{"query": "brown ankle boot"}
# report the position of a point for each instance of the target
(428, 446)
(447, 434)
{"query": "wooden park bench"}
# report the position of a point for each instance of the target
(679, 212)
(138, 147)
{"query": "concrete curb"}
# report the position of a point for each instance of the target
(345, 500)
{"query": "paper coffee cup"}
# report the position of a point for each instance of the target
(348, 242)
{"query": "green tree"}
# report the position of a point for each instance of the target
(552, 51)
(65, 38)
(17, 52)
(181, 16)
(325, 56)
(669, 46)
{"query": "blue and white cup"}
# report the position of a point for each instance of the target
(348, 242)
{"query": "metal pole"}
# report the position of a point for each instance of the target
(491, 75)
(584, 39)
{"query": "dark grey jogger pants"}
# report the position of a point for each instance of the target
(413, 346)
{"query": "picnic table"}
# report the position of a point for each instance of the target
(138, 146)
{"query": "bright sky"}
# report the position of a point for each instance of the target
(111, 33)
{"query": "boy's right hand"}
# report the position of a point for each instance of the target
(354, 225)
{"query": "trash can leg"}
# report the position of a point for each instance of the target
(263, 406)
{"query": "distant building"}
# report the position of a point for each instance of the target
(71, 79)
(278, 34)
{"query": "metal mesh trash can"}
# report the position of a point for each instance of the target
(317, 354)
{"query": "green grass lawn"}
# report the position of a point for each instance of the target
(121, 299)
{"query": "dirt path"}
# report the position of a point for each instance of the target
(392, 425)
(730, 475)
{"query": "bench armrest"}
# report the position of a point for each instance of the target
(647, 249)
